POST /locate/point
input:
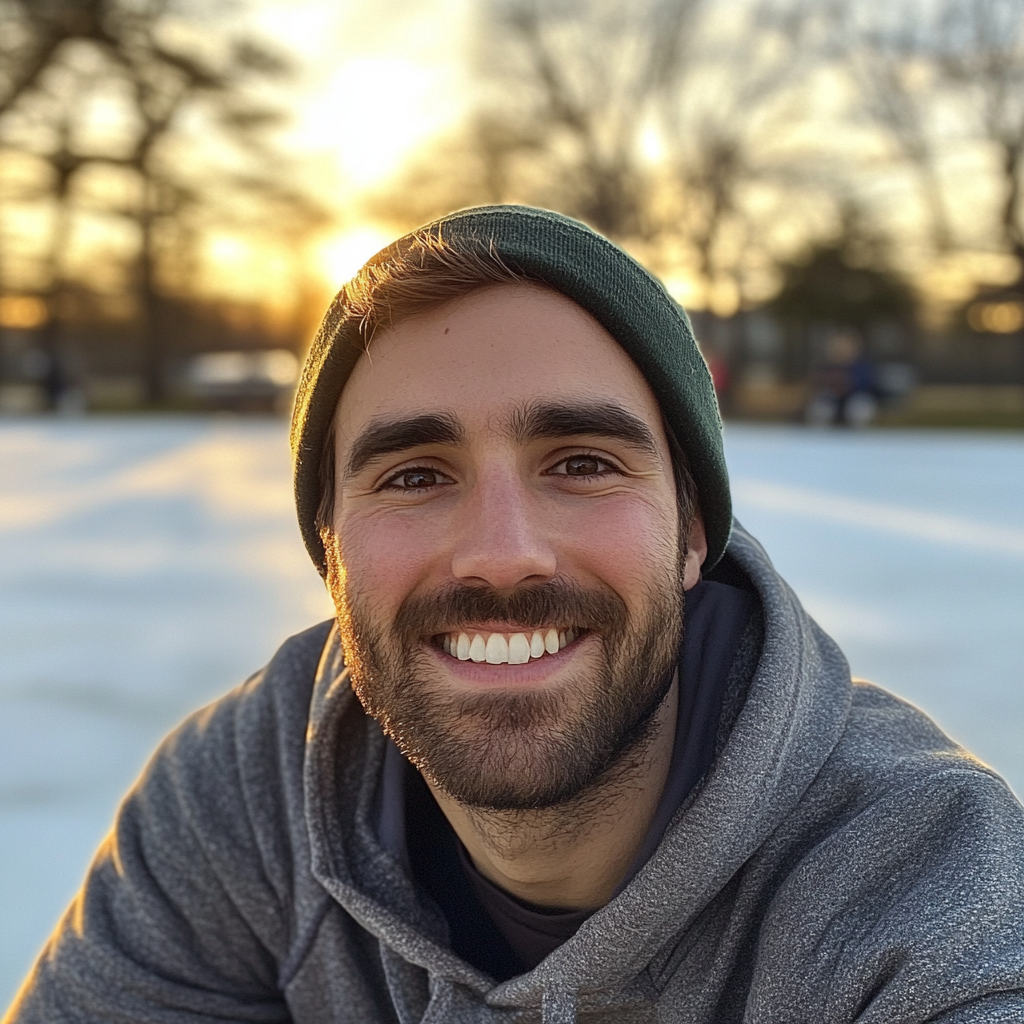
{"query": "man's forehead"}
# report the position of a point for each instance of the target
(493, 354)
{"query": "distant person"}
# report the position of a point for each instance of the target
(54, 380)
(845, 387)
(59, 393)
(572, 749)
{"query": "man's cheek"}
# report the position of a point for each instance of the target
(388, 557)
(627, 546)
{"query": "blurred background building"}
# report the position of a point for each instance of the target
(831, 189)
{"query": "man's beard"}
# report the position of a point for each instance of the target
(505, 750)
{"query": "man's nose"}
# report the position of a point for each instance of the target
(501, 540)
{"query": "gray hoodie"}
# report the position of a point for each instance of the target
(841, 861)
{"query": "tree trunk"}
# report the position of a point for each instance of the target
(149, 308)
(1011, 212)
(55, 381)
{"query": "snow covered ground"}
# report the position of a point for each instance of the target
(148, 564)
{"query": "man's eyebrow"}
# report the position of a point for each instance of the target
(382, 436)
(556, 419)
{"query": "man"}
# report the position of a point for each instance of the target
(573, 750)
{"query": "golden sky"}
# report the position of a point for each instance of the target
(378, 79)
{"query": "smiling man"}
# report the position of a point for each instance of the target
(508, 555)
(572, 750)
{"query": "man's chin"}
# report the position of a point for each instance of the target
(517, 774)
(512, 750)
(522, 772)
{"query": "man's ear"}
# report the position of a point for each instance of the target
(696, 552)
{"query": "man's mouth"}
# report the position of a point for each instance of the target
(505, 648)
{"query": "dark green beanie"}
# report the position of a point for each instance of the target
(621, 295)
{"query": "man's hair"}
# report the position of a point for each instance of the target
(424, 275)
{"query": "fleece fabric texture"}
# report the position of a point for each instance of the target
(618, 292)
(841, 861)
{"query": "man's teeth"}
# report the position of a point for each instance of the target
(537, 647)
(499, 649)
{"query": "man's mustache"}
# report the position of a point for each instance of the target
(556, 602)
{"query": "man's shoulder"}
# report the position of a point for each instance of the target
(227, 784)
(895, 769)
(295, 662)
(895, 740)
(897, 882)
(202, 890)
(276, 695)
(905, 862)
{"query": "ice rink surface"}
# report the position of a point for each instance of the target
(147, 565)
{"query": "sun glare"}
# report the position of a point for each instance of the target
(652, 145)
(227, 251)
(341, 256)
(685, 290)
(376, 110)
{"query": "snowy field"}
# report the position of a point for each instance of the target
(148, 564)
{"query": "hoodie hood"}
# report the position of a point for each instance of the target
(792, 717)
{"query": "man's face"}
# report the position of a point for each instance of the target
(507, 565)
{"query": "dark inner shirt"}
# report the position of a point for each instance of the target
(490, 928)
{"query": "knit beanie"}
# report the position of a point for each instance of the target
(628, 301)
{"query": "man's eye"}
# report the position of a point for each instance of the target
(583, 465)
(415, 479)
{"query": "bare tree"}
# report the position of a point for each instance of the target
(31, 34)
(983, 55)
(646, 120)
(591, 75)
(939, 78)
(728, 122)
(163, 83)
(894, 62)
(569, 89)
